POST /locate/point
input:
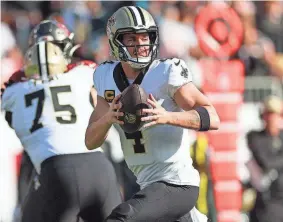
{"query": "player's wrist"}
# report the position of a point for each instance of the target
(108, 120)
(169, 117)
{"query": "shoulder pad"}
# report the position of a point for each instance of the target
(107, 62)
(165, 59)
(88, 63)
(175, 63)
(174, 60)
(104, 67)
(18, 76)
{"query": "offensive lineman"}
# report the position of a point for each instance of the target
(157, 154)
(53, 31)
(49, 113)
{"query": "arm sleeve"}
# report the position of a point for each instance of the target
(178, 75)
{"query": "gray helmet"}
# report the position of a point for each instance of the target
(131, 19)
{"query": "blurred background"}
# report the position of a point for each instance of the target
(234, 50)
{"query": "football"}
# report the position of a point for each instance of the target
(133, 100)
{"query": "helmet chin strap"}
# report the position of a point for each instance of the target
(136, 66)
(135, 63)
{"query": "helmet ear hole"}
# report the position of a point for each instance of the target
(152, 37)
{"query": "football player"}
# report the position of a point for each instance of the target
(52, 31)
(158, 154)
(49, 112)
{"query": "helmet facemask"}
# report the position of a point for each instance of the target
(67, 46)
(137, 62)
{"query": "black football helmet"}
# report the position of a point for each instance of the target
(57, 33)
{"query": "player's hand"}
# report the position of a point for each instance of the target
(157, 115)
(113, 112)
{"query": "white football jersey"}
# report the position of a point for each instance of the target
(50, 118)
(159, 153)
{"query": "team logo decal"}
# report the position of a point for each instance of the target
(130, 118)
(184, 72)
(109, 95)
(110, 23)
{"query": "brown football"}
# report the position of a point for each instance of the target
(133, 100)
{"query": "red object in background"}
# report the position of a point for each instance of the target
(220, 30)
(227, 112)
(220, 33)
(222, 76)
(224, 140)
(228, 195)
(223, 83)
(224, 170)
(227, 105)
(229, 216)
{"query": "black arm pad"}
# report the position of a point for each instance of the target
(204, 118)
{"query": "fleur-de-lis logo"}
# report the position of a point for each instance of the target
(110, 23)
(185, 72)
(130, 118)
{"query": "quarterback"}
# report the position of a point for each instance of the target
(158, 154)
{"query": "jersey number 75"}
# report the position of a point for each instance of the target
(40, 96)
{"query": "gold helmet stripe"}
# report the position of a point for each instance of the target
(42, 56)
